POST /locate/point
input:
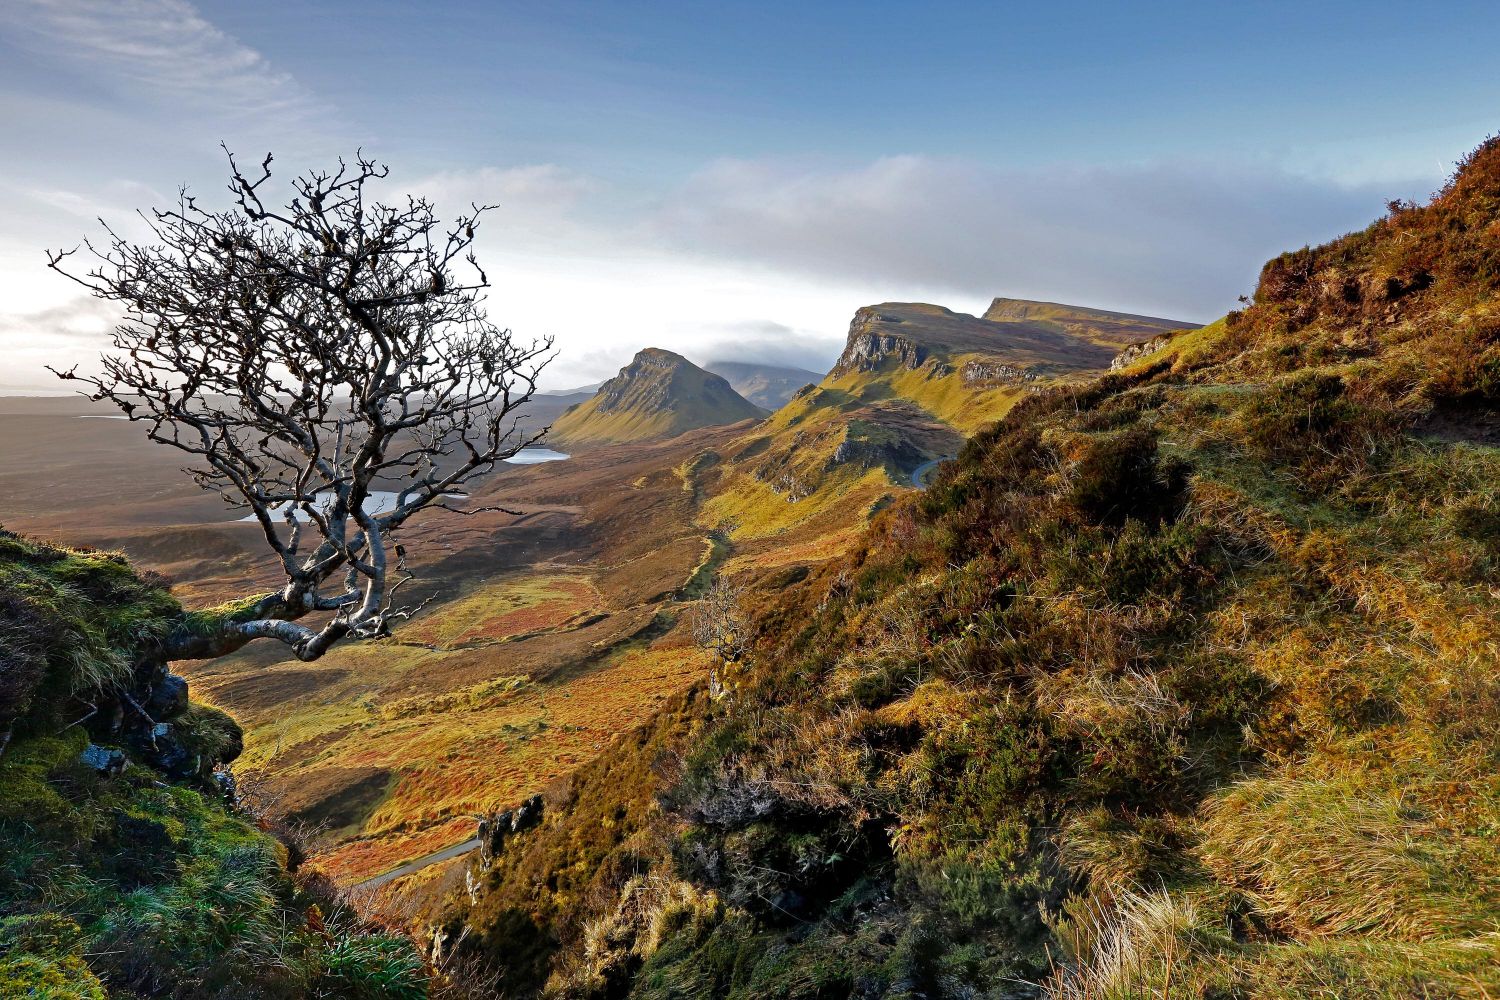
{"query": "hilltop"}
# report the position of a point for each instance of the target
(1104, 325)
(659, 394)
(1182, 680)
(767, 386)
(953, 363)
(913, 379)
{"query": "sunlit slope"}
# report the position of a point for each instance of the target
(913, 380)
(659, 394)
(1181, 681)
(966, 370)
(548, 623)
(1103, 326)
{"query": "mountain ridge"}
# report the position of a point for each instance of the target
(913, 379)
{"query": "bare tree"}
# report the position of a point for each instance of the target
(720, 626)
(326, 364)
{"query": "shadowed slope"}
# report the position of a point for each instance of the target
(767, 386)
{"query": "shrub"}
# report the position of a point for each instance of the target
(1119, 477)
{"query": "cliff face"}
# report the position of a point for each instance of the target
(1022, 334)
(659, 394)
(1135, 352)
(991, 373)
(872, 341)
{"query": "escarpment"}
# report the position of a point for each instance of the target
(870, 344)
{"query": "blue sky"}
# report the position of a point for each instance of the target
(736, 178)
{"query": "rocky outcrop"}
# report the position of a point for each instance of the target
(494, 830)
(493, 833)
(1135, 352)
(983, 374)
(868, 348)
(872, 454)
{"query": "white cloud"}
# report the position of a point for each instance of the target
(61, 336)
(163, 49)
(1179, 239)
(768, 260)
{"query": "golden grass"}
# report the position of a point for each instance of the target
(504, 610)
(944, 396)
(461, 743)
(462, 759)
(758, 511)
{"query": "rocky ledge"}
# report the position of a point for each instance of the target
(979, 374)
(868, 348)
(1135, 352)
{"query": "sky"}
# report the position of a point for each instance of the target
(733, 180)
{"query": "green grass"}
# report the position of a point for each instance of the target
(127, 885)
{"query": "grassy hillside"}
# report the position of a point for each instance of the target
(659, 394)
(123, 873)
(913, 379)
(1184, 681)
(546, 633)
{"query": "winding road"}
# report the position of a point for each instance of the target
(918, 479)
(920, 473)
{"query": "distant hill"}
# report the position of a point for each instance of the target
(659, 394)
(1083, 320)
(958, 357)
(768, 386)
(582, 390)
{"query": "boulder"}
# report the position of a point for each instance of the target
(168, 698)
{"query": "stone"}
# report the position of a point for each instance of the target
(993, 373)
(496, 829)
(1135, 352)
(169, 697)
(527, 815)
(223, 780)
(106, 761)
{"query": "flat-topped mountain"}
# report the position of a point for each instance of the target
(966, 370)
(659, 394)
(768, 386)
(1039, 336)
(914, 379)
(1082, 319)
